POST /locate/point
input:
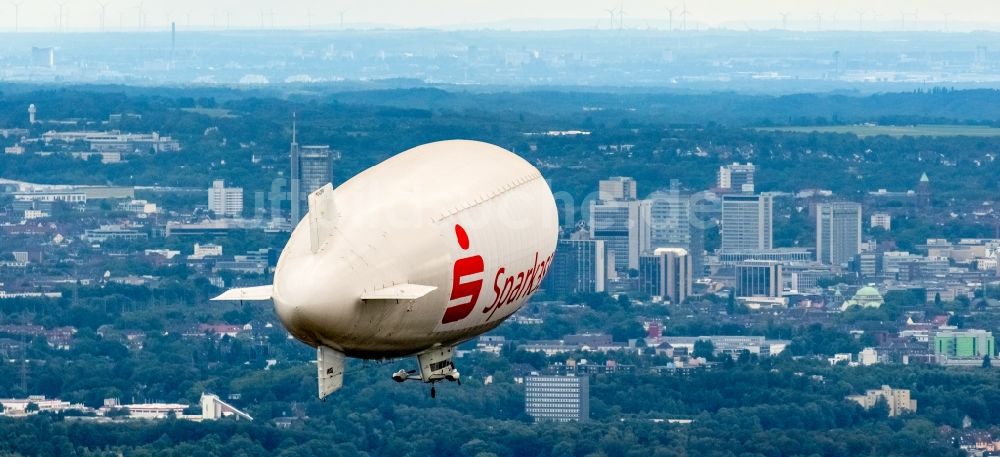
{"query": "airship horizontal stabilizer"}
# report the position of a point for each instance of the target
(399, 292)
(246, 294)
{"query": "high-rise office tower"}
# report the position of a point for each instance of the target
(671, 224)
(667, 274)
(669, 220)
(311, 168)
(838, 232)
(315, 168)
(294, 190)
(578, 267)
(616, 218)
(617, 188)
(706, 211)
(736, 177)
(746, 222)
(225, 201)
(617, 223)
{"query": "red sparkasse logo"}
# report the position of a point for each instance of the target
(467, 283)
(464, 294)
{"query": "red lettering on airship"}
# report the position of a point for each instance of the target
(517, 286)
(464, 290)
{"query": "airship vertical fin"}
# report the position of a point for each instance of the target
(330, 370)
(322, 216)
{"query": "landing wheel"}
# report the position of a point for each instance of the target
(433, 392)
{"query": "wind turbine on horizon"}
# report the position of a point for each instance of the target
(104, 10)
(784, 20)
(684, 16)
(61, 5)
(17, 15)
(142, 15)
(611, 11)
(670, 20)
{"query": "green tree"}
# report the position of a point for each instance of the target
(704, 348)
(624, 301)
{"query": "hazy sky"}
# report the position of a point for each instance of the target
(520, 14)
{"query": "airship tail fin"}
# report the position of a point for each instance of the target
(330, 370)
(322, 216)
(246, 294)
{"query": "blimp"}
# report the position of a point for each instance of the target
(413, 256)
